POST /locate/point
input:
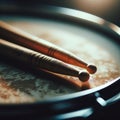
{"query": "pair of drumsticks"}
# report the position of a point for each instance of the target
(37, 52)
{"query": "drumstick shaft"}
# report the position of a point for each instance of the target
(38, 60)
(17, 36)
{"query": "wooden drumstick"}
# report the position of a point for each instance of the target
(17, 36)
(38, 60)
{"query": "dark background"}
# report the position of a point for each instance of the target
(107, 9)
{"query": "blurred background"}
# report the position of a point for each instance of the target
(107, 9)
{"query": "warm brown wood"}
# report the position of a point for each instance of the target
(36, 59)
(17, 36)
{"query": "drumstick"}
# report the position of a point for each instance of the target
(38, 60)
(17, 36)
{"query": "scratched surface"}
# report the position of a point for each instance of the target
(19, 84)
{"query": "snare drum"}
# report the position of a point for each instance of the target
(35, 94)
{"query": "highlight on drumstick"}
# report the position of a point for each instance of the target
(17, 36)
(38, 60)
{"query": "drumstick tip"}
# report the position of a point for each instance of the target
(83, 76)
(91, 69)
